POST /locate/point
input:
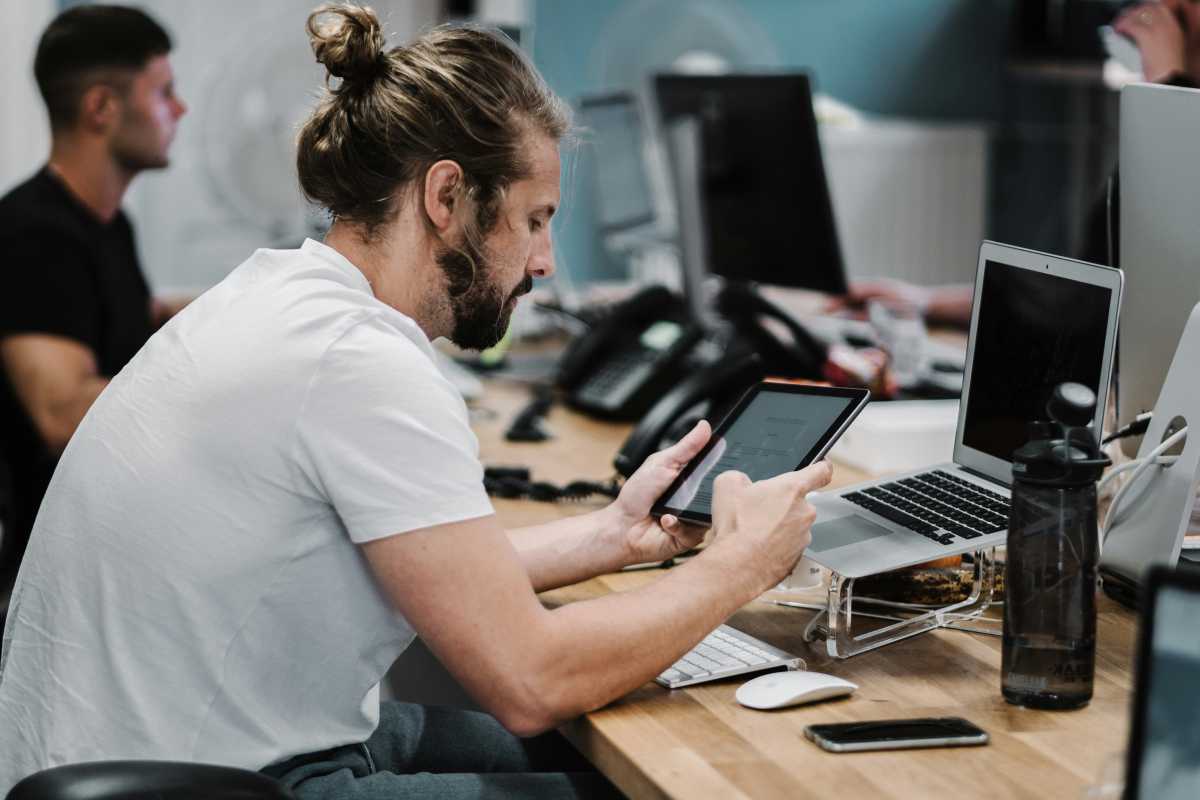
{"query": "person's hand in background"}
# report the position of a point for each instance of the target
(950, 304)
(1167, 35)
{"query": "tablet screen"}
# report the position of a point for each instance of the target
(775, 429)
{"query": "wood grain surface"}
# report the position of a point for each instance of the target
(699, 743)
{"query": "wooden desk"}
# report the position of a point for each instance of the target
(698, 742)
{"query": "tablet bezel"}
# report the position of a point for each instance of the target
(828, 438)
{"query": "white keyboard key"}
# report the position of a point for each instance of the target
(725, 652)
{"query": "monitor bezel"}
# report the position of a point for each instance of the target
(1157, 578)
(1022, 258)
(1158, 238)
(629, 100)
(799, 83)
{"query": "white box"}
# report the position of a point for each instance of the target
(899, 435)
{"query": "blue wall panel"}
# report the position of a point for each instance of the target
(923, 59)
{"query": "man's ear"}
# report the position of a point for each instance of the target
(98, 108)
(443, 193)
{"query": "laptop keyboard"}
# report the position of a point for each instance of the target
(937, 505)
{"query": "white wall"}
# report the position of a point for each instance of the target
(249, 78)
(909, 198)
(24, 130)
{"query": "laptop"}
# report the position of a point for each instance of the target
(1037, 320)
(1164, 741)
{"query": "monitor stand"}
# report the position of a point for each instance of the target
(1155, 515)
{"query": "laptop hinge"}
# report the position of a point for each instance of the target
(987, 478)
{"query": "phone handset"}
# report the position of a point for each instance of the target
(719, 385)
(802, 357)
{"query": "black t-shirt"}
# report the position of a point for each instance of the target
(66, 273)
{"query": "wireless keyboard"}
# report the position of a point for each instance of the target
(722, 654)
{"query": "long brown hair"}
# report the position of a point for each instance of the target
(457, 92)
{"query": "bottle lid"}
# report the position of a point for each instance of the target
(1063, 452)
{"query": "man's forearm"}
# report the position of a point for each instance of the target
(604, 648)
(570, 550)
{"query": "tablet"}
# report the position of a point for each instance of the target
(775, 428)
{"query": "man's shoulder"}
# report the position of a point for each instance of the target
(34, 212)
(371, 335)
(352, 320)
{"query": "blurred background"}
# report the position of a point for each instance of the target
(942, 121)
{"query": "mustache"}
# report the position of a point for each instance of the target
(523, 288)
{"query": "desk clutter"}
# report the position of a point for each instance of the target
(1017, 437)
(940, 583)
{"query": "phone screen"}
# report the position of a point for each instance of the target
(899, 732)
(775, 429)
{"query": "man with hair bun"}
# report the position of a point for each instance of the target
(281, 490)
(74, 306)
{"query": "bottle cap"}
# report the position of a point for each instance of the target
(1063, 452)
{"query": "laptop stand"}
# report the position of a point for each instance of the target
(837, 622)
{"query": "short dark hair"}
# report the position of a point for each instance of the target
(84, 40)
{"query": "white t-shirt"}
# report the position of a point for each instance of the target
(192, 589)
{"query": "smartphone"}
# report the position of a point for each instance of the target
(896, 734)
(774, 428)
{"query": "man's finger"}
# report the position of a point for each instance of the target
(724, 488)
(686, 448)
(809, 479)
(731, 479)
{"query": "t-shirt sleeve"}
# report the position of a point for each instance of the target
(47, 287)
(386, 439)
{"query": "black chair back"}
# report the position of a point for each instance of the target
(148, 780)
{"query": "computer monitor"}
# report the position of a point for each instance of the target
(1160, 237)
(1164, 742)
(766, 201)
(623, 192)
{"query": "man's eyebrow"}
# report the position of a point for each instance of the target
(548, 209)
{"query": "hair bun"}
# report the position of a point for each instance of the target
(348, 40)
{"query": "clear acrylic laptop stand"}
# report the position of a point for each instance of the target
(837, 622)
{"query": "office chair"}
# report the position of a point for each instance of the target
(147, 780)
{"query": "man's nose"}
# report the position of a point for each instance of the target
(541, 262)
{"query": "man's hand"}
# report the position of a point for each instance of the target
(765, 525)
(642, 537)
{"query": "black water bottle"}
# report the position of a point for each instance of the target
(1049, 649)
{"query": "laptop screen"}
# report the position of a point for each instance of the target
(1034, 331)
(1166, 748)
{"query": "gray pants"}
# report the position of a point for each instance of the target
(428, 751)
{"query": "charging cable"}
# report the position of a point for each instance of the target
(1139, 466)
(1139, 425)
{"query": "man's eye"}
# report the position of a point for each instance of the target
(535, 224)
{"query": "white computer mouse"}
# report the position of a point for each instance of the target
(792, 688)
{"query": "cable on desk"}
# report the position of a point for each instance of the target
(516, 482)
(529, 424)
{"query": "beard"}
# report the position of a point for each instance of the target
(480, 307)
